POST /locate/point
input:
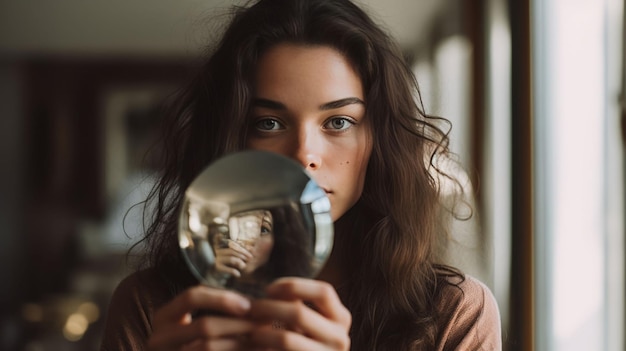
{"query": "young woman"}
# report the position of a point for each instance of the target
(320, 82)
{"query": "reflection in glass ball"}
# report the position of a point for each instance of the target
(252, 217)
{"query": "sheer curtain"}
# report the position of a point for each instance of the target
(578, 172)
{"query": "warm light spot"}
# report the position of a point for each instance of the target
(75, 327)
(184, 241)
(89, 310)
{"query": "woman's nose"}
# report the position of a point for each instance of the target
(308, 151)
(311, 161)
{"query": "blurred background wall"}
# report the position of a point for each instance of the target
(80, 84)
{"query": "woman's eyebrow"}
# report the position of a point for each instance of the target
(275, 105)
(341, 103)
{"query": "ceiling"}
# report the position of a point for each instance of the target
(149, 27)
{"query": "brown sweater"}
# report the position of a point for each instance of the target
(471, 318)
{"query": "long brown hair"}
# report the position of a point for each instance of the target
(394, 279)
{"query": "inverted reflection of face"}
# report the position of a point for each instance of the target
(252, 217)
(253, 231)
(263, 246)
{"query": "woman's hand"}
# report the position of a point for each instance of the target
(232, 259)
(301, 314)
(174, 328)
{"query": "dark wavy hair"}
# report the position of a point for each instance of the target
(388, 238)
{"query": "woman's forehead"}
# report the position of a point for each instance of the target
(289, 69)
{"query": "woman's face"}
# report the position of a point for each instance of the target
(308, 105)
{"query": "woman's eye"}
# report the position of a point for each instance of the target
(265, 229)
(339, 123)
(268, 124)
